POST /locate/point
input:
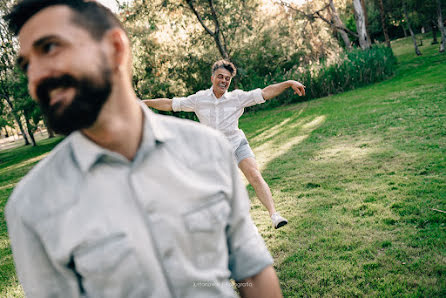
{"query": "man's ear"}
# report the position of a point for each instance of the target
(119, 48)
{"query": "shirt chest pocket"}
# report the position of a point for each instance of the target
(207, 229)
(229, 117)
(110, 268)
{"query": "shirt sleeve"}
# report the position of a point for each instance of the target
(250, 98)
(248, 254)
(185, 104)
(37, 275)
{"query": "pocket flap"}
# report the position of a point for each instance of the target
(103, 255)
(208, 217)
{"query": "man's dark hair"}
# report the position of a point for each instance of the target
(226, 65)
(92, 16)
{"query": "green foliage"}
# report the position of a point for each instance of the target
(13, 83)
(352, 70)
(173, 53)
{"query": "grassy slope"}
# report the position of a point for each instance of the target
(14, 164)
(357, 174)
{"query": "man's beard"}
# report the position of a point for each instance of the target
(82, 112)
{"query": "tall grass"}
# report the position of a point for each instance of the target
(351, 70)
(355, 69)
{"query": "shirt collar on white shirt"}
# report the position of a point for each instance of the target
(211, 92)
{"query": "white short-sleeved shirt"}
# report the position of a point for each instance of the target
(220, 113)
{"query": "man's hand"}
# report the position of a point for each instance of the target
(298, 88)
(274, 90)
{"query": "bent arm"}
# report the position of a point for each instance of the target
(274, 90)
(263, 284)
(162, 104)
(35, 270)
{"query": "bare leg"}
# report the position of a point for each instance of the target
(263, 192)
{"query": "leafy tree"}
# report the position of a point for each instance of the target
(30, 109)
(13, 89)
(7, 73)
(409, 26)
(441, 26)
(382, 13)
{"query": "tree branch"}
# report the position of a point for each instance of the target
(199, 18)
(317, 14)
(217, 28)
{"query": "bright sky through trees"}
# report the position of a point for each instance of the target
(114, 7)
(111, 4)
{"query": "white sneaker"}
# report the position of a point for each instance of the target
(278, 221)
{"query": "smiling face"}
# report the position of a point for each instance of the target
(221, 79)
(68, 72)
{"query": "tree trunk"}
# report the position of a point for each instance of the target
(406, 15)
(30, 133)
(366, 19)
(364, 41)
(338, 24)
(441, 27)
(48, 128)
(434, 33)
(216, 34)
(16, 118)
(383, 22)
(404, 30)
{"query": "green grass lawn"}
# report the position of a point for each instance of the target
(357, 174)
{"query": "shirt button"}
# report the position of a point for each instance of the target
(150, 209)
(168, 253)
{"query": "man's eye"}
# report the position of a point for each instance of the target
(48, 47)
(24, 67)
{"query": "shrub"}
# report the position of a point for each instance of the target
(351, 70)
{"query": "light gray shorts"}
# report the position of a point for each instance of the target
(243, 151)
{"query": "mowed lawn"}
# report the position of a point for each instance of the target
(357, 174)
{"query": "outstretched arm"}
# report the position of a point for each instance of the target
(274, 90)
(162, 104)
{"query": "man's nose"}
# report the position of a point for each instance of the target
(36, 73)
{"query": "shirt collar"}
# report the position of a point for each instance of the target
(211, 92)
(88, 152)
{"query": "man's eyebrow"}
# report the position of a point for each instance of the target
(38, 43)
